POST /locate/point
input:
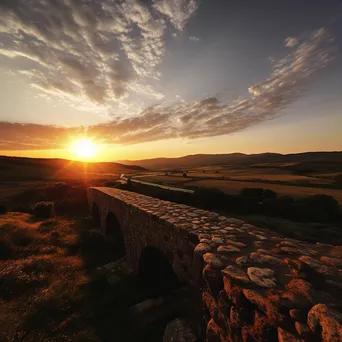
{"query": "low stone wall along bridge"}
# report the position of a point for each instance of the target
(255, 285)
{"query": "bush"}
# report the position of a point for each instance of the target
(3, 209)
(338, 180)
(209, 198)
(280, 206)
(6, 250)
(320, 208)
(258, 194)
(43, 210)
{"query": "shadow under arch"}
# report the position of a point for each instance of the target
(155, 270)
(96, 215)
(115, 235)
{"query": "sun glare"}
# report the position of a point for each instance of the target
(84, 149)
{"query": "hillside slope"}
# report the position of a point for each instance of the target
(15, 168)
(238, 159)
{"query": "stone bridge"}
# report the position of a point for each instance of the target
(255, 285)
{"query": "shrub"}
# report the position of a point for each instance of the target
(43, 210)
(6, 250)
(280, 206)
(258, 194)
(210, 198)
(319, 208)
(3, 209)
(338, 180)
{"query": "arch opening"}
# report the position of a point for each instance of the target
(115, 235)
(96, 215)
(155, 270)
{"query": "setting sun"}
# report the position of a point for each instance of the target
(84, 148)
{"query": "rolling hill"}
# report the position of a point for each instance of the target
(239, 159)
(17, 168)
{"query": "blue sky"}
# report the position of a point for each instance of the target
(167, 78)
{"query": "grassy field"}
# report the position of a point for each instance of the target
(54, 285)
(275, 174)
(34, 169)
(234, 187)
(43, 294)
(231, 179)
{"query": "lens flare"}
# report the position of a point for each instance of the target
(84, 148)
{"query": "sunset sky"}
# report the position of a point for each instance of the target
(162, 78)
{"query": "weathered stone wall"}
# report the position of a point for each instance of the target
(147, 221)
(256, 285)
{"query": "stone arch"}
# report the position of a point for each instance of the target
(114, 233)
(96, 214)
(155, 270)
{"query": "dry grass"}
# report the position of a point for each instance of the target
(48, 281)
(53, 286)
(40, 280)
(211, 180)
(234, 187)
(254, 173)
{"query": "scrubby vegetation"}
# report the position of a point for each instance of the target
(43, 210)
(53, 287)
(68, 198)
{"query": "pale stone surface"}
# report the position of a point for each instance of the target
(262, 276)
(202, 248)
(236, 243)
(336, 262)
(302, 329)
(317, 265)
(227, 249)
(291, 250)
(244, 260)
(326, 320)
(285, 336)
(213, 260)
(236, 273)
(282, 294)
(265, 259)
(217, 240)
(263, 304)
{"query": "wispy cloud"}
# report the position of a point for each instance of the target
(91, 52)
(291, 42)
(203, 118)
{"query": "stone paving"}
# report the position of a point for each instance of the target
(257, 285)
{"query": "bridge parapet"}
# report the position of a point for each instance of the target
(255, 284)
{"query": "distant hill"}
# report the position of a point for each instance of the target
(238, 159)
(17, 168)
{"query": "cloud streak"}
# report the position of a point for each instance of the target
(189, 120)
(91, 52)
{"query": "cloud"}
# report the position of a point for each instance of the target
(291, 42)
(88, 51)
(207, 117)
(177, 11)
